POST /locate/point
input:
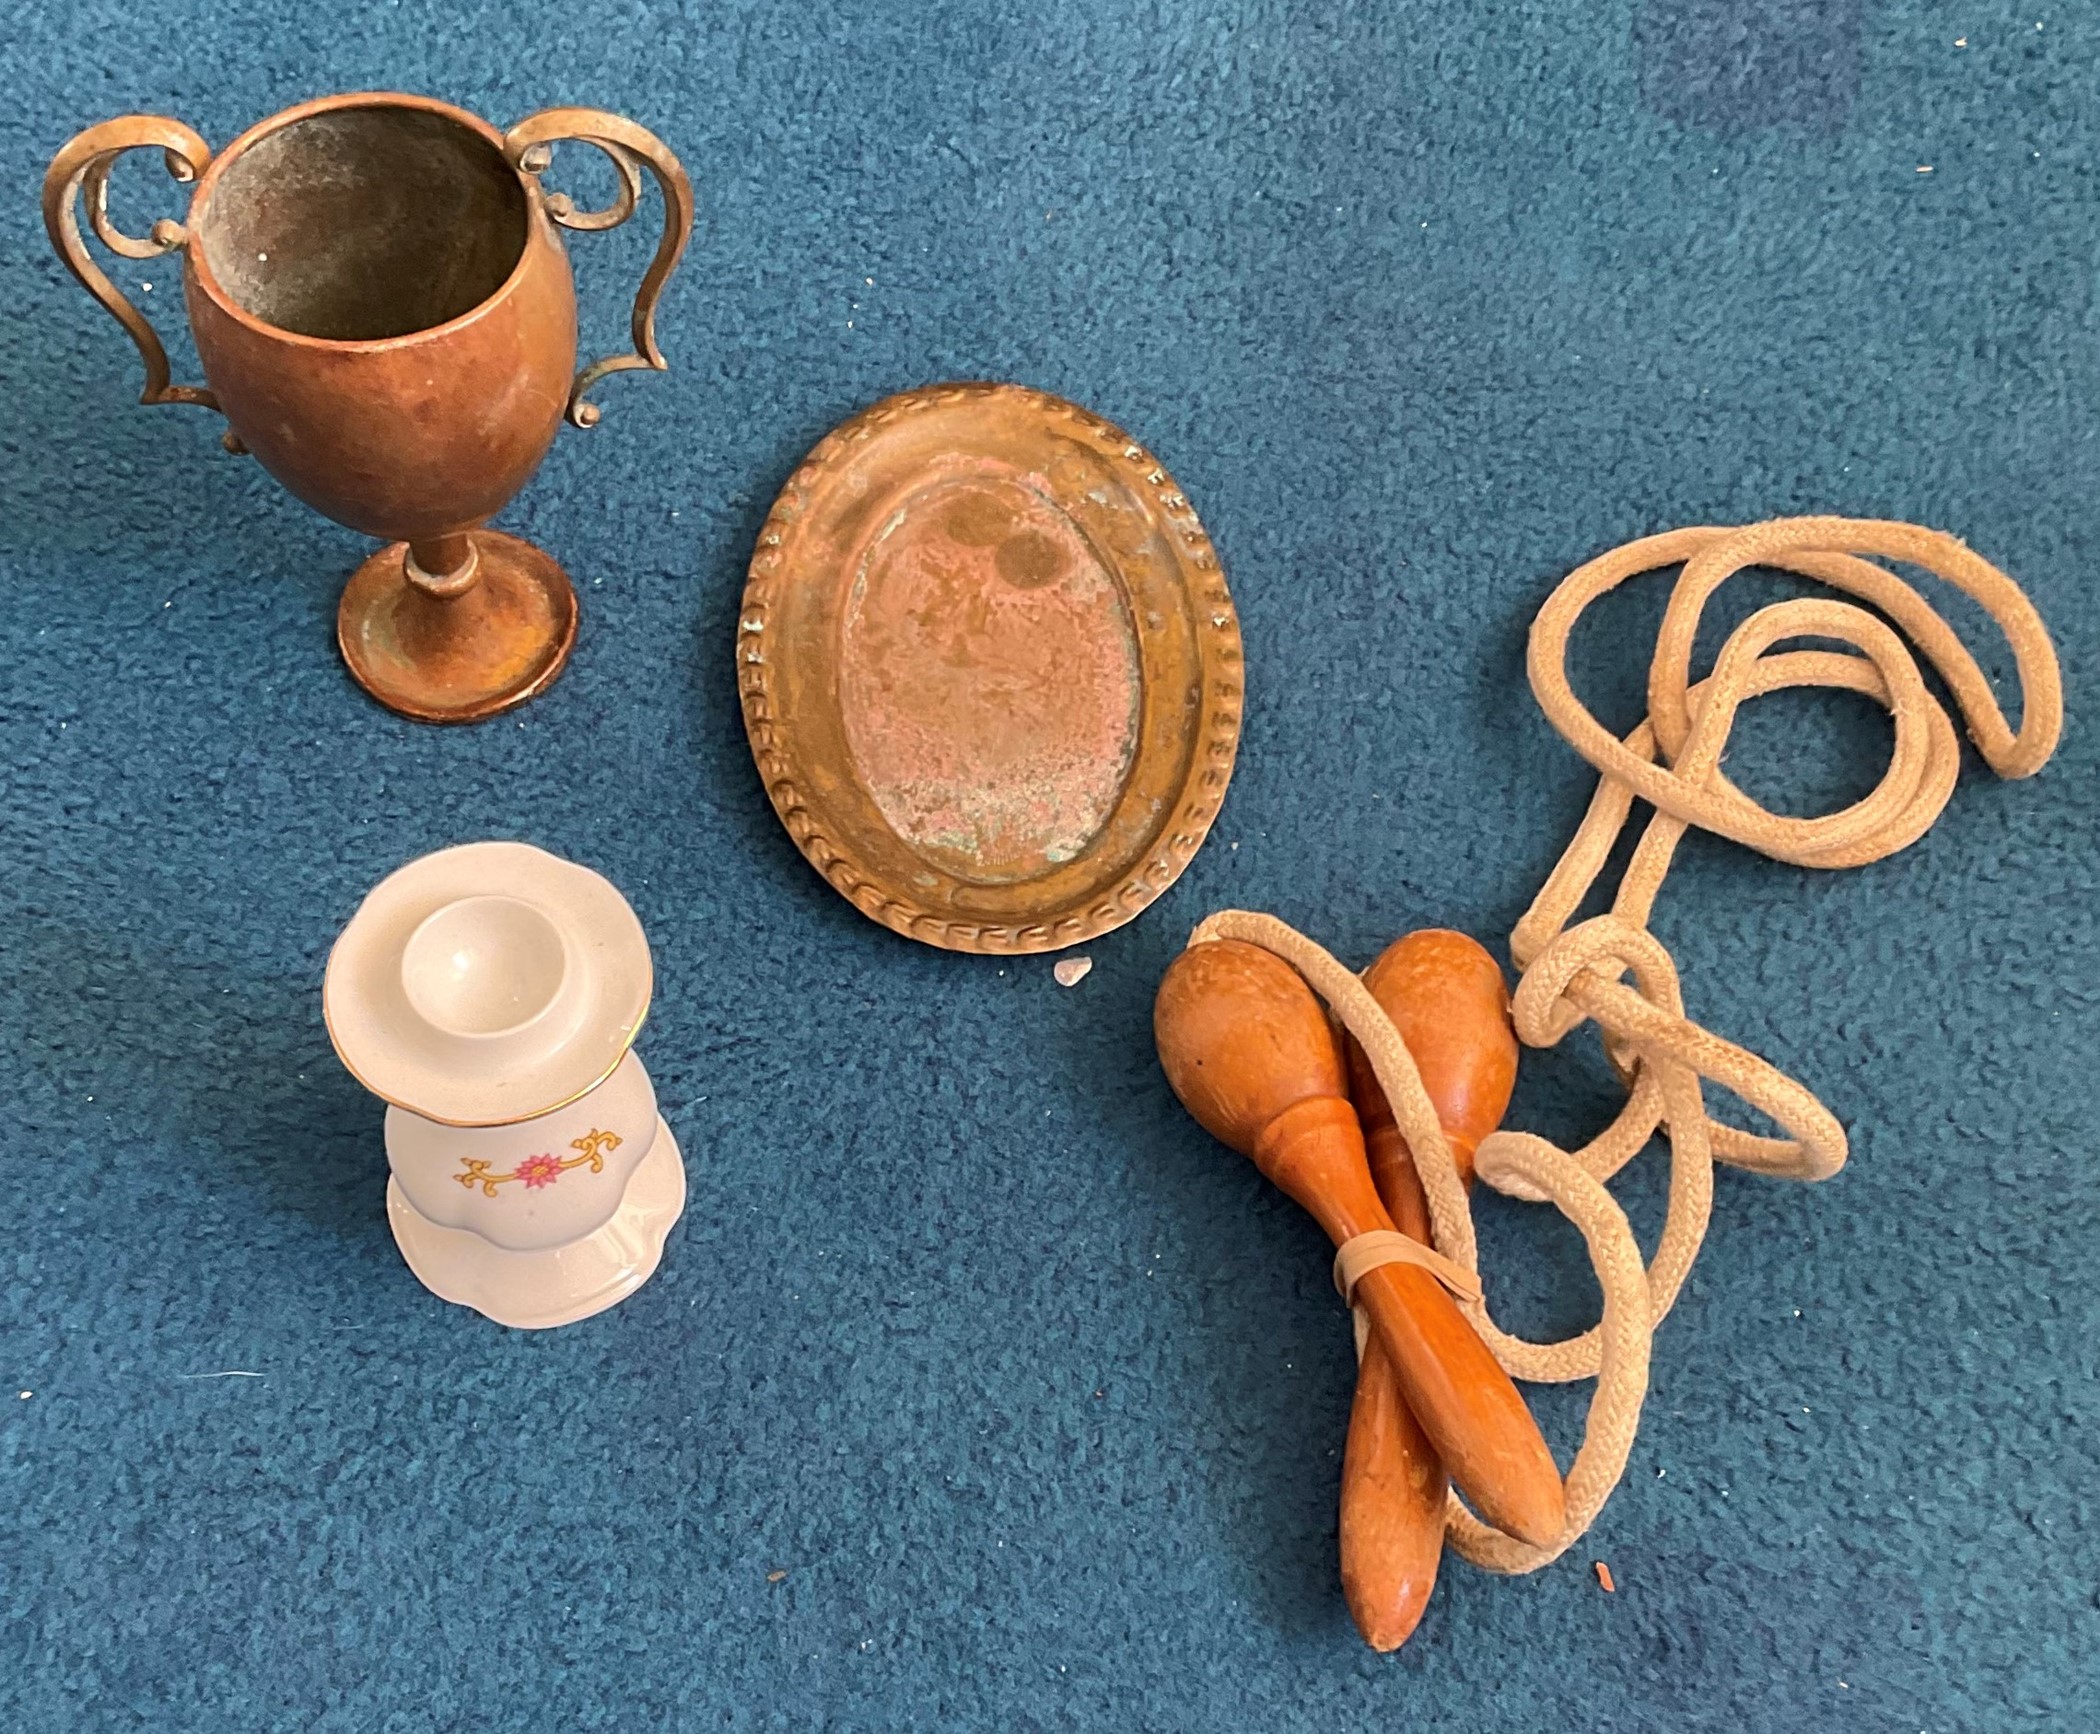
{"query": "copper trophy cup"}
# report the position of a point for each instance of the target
(385, 318)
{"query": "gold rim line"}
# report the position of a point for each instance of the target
(626, 1046)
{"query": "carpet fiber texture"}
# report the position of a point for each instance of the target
(979, 1389)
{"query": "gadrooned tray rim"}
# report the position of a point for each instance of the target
(1187, 819)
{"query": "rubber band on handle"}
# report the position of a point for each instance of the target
(1360, 1255)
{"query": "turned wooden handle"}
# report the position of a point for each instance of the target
(1472, 1413)
(1393, 1482)
(1393, 1492)
(1248, 1049)
(1467, 1405)
(1446, 996)
(1449, 1003)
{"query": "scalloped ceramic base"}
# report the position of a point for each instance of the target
(532, 1291)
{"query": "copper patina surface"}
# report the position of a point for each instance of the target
(383, 310)
(990, 669)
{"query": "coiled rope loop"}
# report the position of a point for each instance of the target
(1572, 975)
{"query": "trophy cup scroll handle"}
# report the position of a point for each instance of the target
(81, 171)
(628, 146)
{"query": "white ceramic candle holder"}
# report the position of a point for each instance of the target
(491, 994)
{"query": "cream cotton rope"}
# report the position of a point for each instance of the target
(1576, 975)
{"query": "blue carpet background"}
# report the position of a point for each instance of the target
(1034, 1393)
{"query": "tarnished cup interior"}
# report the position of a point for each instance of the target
(363, 223)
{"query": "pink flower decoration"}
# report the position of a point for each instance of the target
(538, 1171)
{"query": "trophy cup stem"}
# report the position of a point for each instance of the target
(445, 567)
(458, 627)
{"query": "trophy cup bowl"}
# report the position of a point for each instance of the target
(385, 317)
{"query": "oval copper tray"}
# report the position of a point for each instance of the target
(990, 669)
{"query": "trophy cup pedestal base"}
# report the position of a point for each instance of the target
(458, 658)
